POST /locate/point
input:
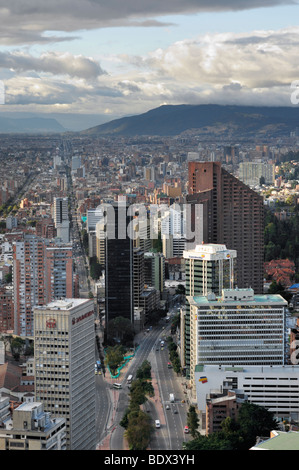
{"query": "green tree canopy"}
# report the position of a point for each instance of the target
(139, 430)
(114, 357)
(192, 421)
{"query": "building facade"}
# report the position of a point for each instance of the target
(233, 215)
(30, 428)
(42, 271)
(119, 279)
(64, 351)
(208, 268)
(271, 386)
(238, 328)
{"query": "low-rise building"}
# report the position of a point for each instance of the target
(30, 428)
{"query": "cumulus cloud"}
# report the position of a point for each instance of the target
(253, 68)
(27, 22)
(222, 59)
(52, 62)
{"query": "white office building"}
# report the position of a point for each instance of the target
(64, 351)
(237, 328)
(173, 232)
(271, 386)
(61, 218)
(93, 217)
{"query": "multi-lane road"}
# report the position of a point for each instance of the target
(111, 403)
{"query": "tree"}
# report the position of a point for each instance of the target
(139, 430)
(122, 329)
(240, 434)
(17, 346)
(215, 441)
(144, 371)
(192, 421)
(114, 357)
(255, 420)
(180, 289)
(95, 267)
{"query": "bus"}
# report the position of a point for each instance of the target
(129, 379)
(116, 385)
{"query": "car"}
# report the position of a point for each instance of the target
(175, 411)
(167, 407)
(186, 430)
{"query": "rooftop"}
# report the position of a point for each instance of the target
(280, 441)
(63, 304)
(237, 297)
(210, 251)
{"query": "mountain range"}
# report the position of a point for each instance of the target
(26, 125)
(205, 120)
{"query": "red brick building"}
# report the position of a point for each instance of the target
(233, 215)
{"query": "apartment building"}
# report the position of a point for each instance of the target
(42, 271)
(233, 215)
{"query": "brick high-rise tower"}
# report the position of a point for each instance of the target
(233, 215)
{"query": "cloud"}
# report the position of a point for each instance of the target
(221, 59)
(255, 68)
(28, 22)
(52, 62)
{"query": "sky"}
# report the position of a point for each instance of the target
(123, 57)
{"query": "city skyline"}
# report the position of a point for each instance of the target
(117, 61)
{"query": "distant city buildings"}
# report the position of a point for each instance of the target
(252, 173)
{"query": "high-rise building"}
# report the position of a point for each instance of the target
(155, 270)
(58, 271)
(100, 243)
(209, 268)
(76, 162)
(60, 210)
(233, 215)
(173, 231)
(237, 328)
(6, 309)
(252, 172)
(119, 296)
(61, 218)
(93, 217)
(138, 276)
(64, 352)
(28, 282)
(42, 271)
